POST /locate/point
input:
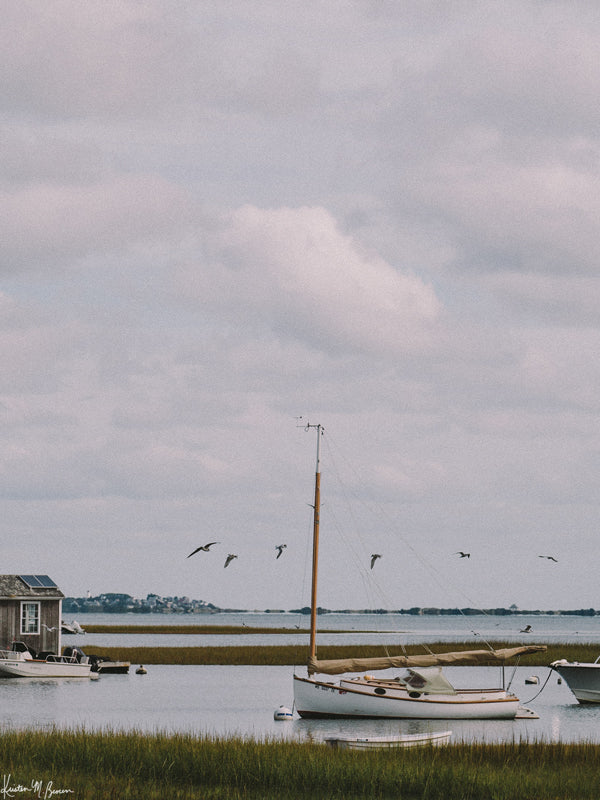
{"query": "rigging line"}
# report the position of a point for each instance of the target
(535, 696)
(307, 551)
(441, 582)
(360, 560)
(373, 588)
(359, 563)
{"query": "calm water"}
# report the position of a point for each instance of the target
(225, 700)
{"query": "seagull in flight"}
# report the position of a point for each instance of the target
(279, 548)
(374, 558)
(526, 629)
(205, 548)
(229, 559)
(463, 555)
(550, 558)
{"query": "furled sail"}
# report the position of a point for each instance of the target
(464, 658)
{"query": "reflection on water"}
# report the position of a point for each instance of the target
(227, 701)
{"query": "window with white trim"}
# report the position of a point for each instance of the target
(30, 617)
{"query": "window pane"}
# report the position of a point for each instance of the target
(30, 617)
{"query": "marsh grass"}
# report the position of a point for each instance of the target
(108, 764)
(287, 655)
(224, 630)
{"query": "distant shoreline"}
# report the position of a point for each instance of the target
(72, 606)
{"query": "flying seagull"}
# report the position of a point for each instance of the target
(205, 548)
(374, 558)
(279, 548)
(526, 629)
(463, 555)
(550, 558)
(229, 559)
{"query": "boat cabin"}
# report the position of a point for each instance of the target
(30, 612)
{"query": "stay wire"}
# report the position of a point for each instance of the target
(440, 581)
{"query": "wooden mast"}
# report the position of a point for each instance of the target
(315, 558)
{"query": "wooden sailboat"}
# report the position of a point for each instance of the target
(423, 692)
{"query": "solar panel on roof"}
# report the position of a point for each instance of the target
(46, 582)
(30, 580)
(38, 581)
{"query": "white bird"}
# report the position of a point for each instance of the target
(279, 548)
(526, 629)
(374, 558)
(229, 559)
(205, 548)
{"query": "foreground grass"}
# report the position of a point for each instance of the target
(287, 655)
(98, 766)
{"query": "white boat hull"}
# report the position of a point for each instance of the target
(34, 668)
(388, 742)
(582, 679)
(313, 698)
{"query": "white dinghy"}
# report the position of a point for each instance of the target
(388, 742)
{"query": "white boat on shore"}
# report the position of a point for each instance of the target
(424, 692)
(388, 742)
(20, 662)
(582, 678)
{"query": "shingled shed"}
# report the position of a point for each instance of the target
(30, 612)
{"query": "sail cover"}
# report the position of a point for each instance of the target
(464, 658)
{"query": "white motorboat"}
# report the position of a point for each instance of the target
(21, 662)
(424, 692)
(583, 679)
(388, 742)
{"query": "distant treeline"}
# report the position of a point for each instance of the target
(126, 604)
(448, 612)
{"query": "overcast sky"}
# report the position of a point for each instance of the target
(381, 216)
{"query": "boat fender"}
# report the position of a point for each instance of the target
(414, 695)
(282, 713)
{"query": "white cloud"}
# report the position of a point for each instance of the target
(294, 272)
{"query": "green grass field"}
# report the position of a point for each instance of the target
(103, 765)
(282, 655)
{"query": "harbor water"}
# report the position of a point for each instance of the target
(240, 700)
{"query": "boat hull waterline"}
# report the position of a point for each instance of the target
(313, 698)
(582, 679)
(16, 668)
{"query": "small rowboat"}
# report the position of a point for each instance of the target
(388, 742)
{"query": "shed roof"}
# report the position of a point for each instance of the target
(12, 586)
